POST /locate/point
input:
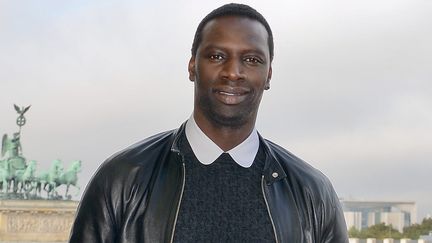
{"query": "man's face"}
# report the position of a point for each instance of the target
(231, 69)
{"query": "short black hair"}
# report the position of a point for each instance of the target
(233, 9)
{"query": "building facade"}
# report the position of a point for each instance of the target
(363, 214)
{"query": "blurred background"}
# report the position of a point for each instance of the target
(351, 91)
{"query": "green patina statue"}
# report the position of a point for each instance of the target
(18, 178)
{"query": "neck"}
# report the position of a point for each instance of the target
(224, 136)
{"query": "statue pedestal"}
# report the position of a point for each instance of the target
(36, 220)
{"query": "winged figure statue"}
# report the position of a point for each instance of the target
(21, 110)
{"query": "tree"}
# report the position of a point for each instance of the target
(414, 231)
(354, 233)
(378, 231)
(381, 231)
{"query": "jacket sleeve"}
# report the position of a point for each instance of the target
(336, 230)
(94, 221)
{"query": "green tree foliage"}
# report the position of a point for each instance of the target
(414, 231)
(354, 233)
(381, 231)
(378, 231)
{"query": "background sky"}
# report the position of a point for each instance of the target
(351, 91)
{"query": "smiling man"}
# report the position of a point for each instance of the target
(214, 179)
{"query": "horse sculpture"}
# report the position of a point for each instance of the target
(47, 180)
(26, 177)
(6, 177)
(24, 182)
(70, 177)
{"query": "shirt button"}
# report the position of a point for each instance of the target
(275, 174)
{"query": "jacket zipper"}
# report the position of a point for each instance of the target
(178, 206)
(268, 209)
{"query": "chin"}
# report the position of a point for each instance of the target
(232, 120)
(227, 116)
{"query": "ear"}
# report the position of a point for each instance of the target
(269, 75)
(191, 69)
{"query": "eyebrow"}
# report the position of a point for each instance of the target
(249, 50)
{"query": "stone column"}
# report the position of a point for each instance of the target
(388, 240)
(405, 240)
(354, 240)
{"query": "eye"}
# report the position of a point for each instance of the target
(216, 57)
(252, 60)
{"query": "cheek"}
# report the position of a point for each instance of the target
(260, 75)
(203, 73)
(201, 87)
(260, 83)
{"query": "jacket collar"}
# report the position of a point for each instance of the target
(176, 137)
(273, 170)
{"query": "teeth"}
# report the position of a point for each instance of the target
(225, 93)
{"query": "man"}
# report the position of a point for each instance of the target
(215, 179)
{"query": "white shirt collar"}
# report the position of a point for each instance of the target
(207, 151)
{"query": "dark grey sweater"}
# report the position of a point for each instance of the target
(222, 202)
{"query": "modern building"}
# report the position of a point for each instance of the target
(363, 214)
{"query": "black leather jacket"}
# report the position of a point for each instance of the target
(135, 195)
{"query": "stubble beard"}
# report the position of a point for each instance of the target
(228, 119)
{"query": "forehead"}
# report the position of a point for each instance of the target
(236, 28)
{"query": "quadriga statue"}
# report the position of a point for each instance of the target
(20, 180)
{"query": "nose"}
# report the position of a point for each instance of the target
(233, 70)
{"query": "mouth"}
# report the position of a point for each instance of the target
(229, 93)
(231, 96)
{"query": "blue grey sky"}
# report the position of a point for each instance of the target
(351, 91)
